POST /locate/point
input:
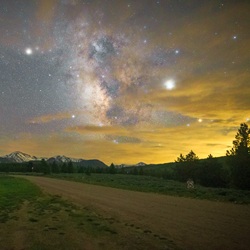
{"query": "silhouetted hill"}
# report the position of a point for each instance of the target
(163, 166)
(91, 164)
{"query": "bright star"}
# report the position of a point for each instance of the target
(73, 116)
(29, 51)
(200, 120)
(169, 84)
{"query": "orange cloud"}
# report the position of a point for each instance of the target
(157, 145)
(97, 129)
(50, 118)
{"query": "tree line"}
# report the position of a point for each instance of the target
(232, 171)
(43, 167)
(211, 172)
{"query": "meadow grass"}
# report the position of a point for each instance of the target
(159, 185)
(14, 191)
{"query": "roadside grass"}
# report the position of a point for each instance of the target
(33, 220)
(13, 192)
(159, 185)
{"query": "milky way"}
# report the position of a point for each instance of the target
(104, 69)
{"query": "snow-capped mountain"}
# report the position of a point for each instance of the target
(19, 157)
(140, 164)
(94, 163)
(62, 159)
(23, 157)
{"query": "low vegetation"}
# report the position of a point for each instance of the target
(161, 186)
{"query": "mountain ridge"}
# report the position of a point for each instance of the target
(20, 157)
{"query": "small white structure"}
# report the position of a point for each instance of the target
(190, 184)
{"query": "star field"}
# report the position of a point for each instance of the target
(123, 81)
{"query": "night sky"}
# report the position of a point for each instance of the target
(123, 81)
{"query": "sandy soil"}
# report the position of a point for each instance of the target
(189, 223)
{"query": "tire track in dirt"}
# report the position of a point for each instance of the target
(190, 223)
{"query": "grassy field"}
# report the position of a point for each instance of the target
(159, 185)
(13, 192)
(33, 220)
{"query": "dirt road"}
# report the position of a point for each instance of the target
(190, 223)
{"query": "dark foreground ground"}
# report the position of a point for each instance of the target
(189, 223)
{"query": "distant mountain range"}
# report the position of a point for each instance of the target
(140, 164)
(19, 157)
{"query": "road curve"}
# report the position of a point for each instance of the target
(190, 223)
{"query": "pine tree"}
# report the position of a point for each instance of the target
(46, 167)
(112, 169)
(55, 167)
(141, 172)
(239, 158)
(210, 156)
(191, 156)
(181, 158)
(64, 168)
(187, 166)
(70, 167)
(241, 144)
